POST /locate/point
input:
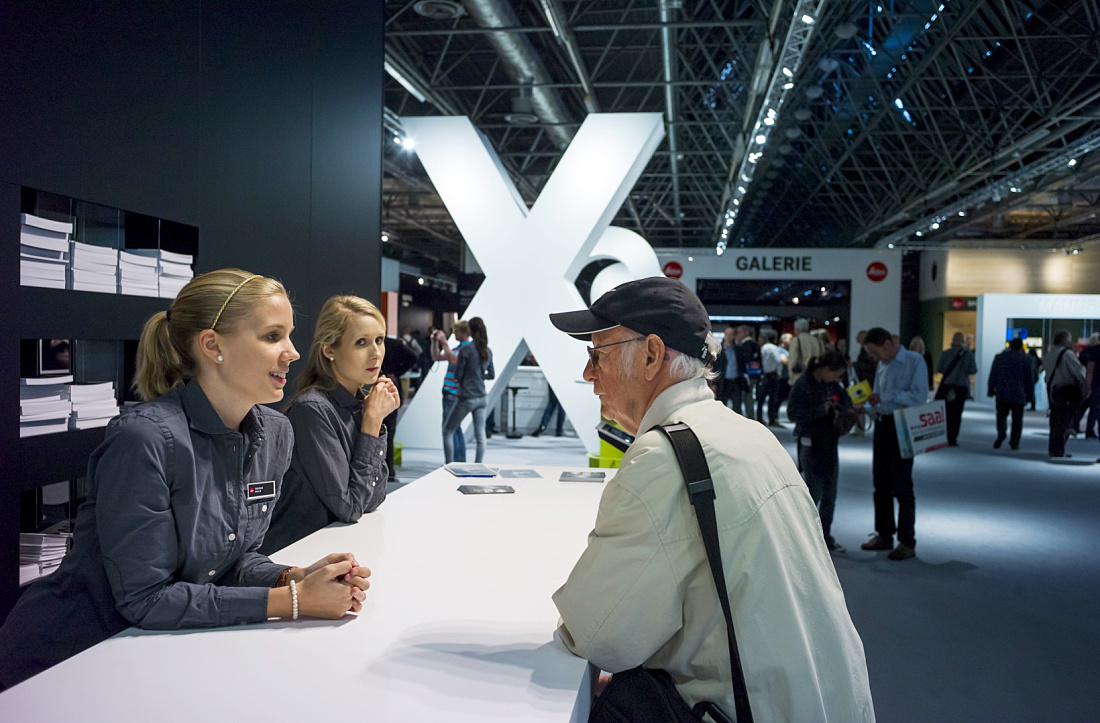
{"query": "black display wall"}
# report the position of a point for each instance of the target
(259, 123)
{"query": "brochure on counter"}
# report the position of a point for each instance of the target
(469, 469)
(574, 476)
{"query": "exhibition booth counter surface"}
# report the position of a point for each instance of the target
(458, 625)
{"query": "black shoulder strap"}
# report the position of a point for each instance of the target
(700, 488)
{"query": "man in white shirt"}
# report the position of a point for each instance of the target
(642, 593)
(772, 359)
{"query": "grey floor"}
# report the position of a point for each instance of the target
(997, 617)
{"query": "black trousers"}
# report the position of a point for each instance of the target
(820, 467)
(893, 478)
(1017, 410)
(1061, 417)
(769, 390)
(954, 410)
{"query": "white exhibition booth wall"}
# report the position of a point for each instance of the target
(875, 276)
(994, 311)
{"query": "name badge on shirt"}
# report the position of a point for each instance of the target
(261, 491)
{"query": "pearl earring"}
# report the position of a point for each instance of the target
(332, 358)
(221, 358)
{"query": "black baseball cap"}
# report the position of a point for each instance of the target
(656, 305)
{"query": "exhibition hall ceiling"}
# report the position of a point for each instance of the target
(789, 123)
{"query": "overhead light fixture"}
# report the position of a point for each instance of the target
(787, 72)
(934, 226)
(691, 258)
(761, 139)
(808, 19)
(385, 238)
(1072, 162)
(890, 246)
(408, 144)
(919, 233)
(962, 213)
(420, 281)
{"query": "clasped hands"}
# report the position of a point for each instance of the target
(332, 586)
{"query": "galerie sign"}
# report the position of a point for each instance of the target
(774, 263)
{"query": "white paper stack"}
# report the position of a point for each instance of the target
(40, 554)
(44, 406)
(43, 251)
(93, 405)
(137, 274)
(93, 268)
(173, 270)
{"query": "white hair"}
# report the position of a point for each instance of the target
(681, 367)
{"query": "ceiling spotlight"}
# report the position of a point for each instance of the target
(788, 86)
(890, 246)
(1072, 162)
(741, 189)
(962, 213)
(769, 121)
(761, 139)
(794, 300)
(408, 144)
(920, 233)
(934, 226)
(1076, 251)
(420, 281)
(787, 72)
(808, 19)
(397, 140)
(385, 238)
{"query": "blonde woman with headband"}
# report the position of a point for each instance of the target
(182, 489)
(338, 470)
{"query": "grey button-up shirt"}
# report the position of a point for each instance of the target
(167, 538)
(337, 472)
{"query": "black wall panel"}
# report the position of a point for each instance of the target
(258, 122)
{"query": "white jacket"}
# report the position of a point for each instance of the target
(642, 592)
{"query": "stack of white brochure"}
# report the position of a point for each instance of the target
(43, 251)
(93, 405)
(40, 554)
(44, 405)
(137, 274)
(175, 273)
(93, 268)
(173, 270)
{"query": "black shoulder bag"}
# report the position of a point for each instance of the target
(948, 392)
(642, 695)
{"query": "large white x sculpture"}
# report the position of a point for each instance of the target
(531, 258)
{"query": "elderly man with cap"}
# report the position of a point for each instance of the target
(642, 593)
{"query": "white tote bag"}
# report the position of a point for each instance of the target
(921, 429)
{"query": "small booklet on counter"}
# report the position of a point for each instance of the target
(519, 474)
(573, 476)
(469, 469)
(486, 489)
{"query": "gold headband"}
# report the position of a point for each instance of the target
(230, 298)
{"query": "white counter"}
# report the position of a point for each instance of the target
(458, 626)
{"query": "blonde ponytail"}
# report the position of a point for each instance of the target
(159, 368)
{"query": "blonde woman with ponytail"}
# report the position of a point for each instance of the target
(338, 470)
(182, 489)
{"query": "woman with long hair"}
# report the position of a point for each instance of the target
(182, 488)
(473, 366)
(338, 470)
(822, 412)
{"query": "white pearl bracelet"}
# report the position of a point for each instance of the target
(294, 600)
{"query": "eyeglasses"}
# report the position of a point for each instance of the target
(595, 358)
